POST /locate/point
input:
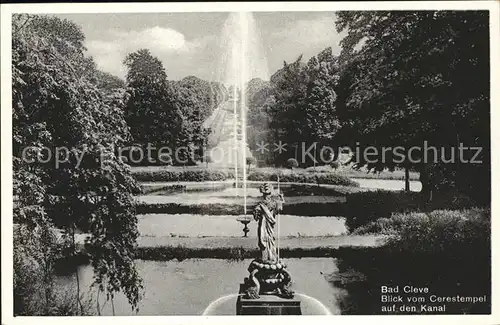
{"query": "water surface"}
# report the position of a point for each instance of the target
(194, 225)
(189, 287)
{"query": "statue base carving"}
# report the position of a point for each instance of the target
(266, 305)
(267, 279)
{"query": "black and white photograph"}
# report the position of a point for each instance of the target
(206, 162)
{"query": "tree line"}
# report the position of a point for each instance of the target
(402, 79)
(60, 99)
(166, 113)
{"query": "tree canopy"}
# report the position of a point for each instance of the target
(415, 77)
(58, 107)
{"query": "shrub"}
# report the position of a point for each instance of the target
(66, 304)
(207, 159)
(314, 190)
(259, 176)
(36, 252)
(421, 224)
(182, 176)
(165, 190)
(451, 200)
(335, 164)
(319, 169)
(364, 208)
(441, 231)
(292, 163)
(335, 179)
(165, 160)
(447, 251)
(251, 161)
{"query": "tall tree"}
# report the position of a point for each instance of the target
(56, 106)
(168, 113)
(321, 96)
(260, 100)
(416, 77)
(150, 114)
(288, 113)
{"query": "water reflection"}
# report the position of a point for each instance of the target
(192, 286)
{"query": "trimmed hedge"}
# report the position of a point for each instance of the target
(169, 189)
(182, 176)
(314, 190)
(176, 208)
(303, 177)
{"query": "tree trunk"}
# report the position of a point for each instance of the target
(426, 192)
(407, 179)
(79, 302)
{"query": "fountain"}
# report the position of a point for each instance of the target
(267, 289)
(245, 220)
(241, 59)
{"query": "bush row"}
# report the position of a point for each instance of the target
(165, 190)
(182, 175)
(436, 230)
(303, 177)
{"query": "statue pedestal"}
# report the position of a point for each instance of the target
(267, 305)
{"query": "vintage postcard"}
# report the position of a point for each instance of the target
(186, 160)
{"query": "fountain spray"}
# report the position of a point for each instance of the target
(243, 78)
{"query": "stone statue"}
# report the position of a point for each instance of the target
(267, 273)
(265, 213)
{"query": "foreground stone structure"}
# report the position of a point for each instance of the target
(267, 305)
(267, 289)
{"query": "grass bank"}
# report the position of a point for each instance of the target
(301, 209)
(227, 253)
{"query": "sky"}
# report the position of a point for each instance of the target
(193, 43)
